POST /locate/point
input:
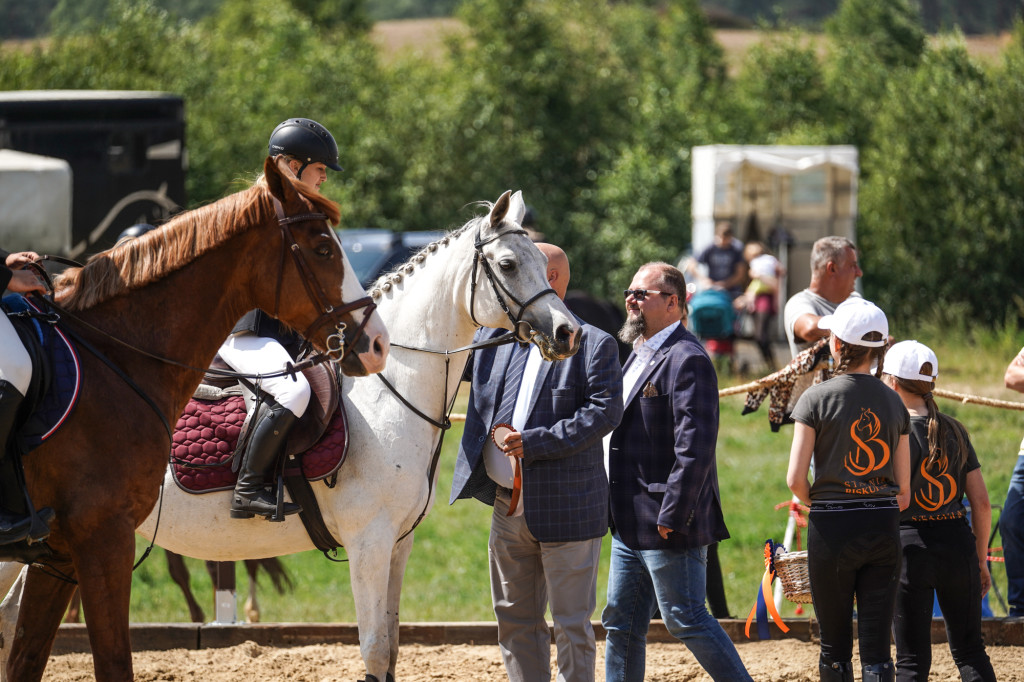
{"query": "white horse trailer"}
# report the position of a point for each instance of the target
(35, 203)
(784, 196)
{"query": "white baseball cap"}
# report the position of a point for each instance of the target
(854, 319)
(906, 359)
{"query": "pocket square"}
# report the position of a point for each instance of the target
(650, 391)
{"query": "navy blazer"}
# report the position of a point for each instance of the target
(662, 456)
(575, 402)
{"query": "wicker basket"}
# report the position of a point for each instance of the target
(791, 569)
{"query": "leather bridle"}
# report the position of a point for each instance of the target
(335, 343)
(522, 330)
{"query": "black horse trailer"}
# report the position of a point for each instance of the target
(126, 150)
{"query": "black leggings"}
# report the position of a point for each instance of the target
(854, 550)
(939, 558)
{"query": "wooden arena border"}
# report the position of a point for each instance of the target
(73, 638)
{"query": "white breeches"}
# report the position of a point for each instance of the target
(250, 354)
(15, 363)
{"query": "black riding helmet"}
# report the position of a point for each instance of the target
(307, 141)
(135, 231)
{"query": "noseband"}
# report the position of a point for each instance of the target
(337, 349)
(479, 260)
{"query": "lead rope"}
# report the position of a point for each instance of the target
(446, 407)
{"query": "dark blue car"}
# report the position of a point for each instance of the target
(375, 251)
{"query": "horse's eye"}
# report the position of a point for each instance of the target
(507, 264)
(324, 250)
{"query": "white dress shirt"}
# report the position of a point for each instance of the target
(644, 355)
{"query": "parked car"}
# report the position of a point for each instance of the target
(374, 251)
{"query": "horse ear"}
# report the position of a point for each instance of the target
(500, 208)
(517, 208)
(280, 178)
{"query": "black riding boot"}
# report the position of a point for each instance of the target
(269, 433)
(15, 523)
(878, 672)
(830, 671)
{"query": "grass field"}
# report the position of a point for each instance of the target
(447, 576)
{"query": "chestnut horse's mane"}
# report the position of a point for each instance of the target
(154, 255)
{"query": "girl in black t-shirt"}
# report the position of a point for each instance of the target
(855, 430)
(941, 556)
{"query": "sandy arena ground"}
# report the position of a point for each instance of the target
(787, 659)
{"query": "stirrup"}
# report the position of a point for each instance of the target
(34, 527)
(262, 504)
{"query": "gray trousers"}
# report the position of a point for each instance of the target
(525, 576)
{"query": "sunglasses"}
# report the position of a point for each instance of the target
(641, 294)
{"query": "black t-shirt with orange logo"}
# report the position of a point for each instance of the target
(857, 421)
(937, 493)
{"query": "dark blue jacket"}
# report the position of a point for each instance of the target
(574, 404)
(662, 457)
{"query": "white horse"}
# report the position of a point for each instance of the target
(487, 273)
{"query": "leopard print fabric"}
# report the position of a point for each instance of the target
(778, 386)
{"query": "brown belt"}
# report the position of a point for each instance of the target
(517, 488)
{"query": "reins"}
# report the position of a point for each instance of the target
(446, 406)
(335, 342)
(517, 334)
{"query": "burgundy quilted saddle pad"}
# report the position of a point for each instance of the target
(206, 435)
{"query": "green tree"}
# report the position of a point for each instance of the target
(531, 97)
(272, 63)
(348, 14)
(639, 208)
(84, 16)
(942, 210)
(781, 87)
(870, 42)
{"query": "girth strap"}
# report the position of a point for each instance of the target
(311, 517)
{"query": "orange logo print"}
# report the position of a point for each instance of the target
(871, 453)
(933, 496)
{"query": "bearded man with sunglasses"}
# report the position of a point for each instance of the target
(663, 478)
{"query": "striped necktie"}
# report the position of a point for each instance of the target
(503, 415)
(513, 379)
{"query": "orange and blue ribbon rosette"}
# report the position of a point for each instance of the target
(765, 604)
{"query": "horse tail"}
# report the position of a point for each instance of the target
(277, 572)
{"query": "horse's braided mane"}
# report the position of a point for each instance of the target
(138, 262)
(390, 279)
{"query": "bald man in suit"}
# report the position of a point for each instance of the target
(546, 549)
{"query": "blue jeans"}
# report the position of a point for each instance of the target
(674, 581)
(1011, 527)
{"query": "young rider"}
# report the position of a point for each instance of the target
(259, 344)
(15, 377)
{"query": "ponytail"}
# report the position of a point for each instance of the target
(853, 354)
(947, 437)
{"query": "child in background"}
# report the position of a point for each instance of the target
(760, 300)
(856, 429)
(941, 556)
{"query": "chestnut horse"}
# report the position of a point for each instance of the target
(158, 308)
